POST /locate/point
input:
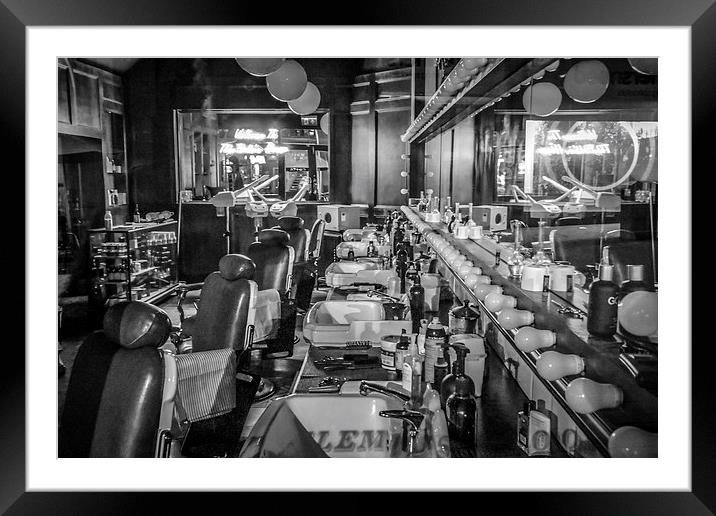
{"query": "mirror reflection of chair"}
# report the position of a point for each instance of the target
(116, 403)
(275, 311)
(578, 245)
(632, 252)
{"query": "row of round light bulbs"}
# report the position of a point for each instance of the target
(465, 74)
(287, 81)
(583, 395)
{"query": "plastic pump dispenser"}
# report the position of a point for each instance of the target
(461, 406)
(449, 383)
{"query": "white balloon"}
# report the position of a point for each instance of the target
(542, 99)
(325, 123)
(308, 102)
(288, 82)
(260, 67)
(586, 81)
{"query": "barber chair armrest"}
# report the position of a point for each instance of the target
(181, 291)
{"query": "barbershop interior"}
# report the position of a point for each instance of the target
(397, 257)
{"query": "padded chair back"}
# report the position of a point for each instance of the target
(274, 260)
(579, 245)
(298, 236)
(114, 397)
(315, 241)
(636, 252)
(226, 306)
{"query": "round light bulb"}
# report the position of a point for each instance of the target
(465, 269)
(484, 280)
(483, 289)
(476, 270)
(633, 442)
(471, 280)
(404, 191)
(511, 318)
(639, 313)
(528, 339)
(458, 261)
(586, 396)
(495, 302)
(553, 366)
(403, 174)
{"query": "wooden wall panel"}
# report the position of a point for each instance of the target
(432, 166)
(363, 159)
(391, 124)
(446, 142)
(463, 161)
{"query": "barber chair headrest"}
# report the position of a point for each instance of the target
(136, 324)
(288, 223)
(236, 266)
(273, 237)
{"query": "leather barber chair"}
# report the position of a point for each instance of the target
(275, 318)
(298, 236)
(116, 397)
(224, 320)
(225, 310)
(306, 272)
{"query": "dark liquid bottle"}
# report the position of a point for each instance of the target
(417, 303)
(461, 406)
(401, 266)
(603, 299)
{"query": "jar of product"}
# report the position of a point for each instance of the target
(388, 344)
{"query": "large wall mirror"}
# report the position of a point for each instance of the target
(226, 149)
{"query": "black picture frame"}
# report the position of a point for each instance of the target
(17, 15)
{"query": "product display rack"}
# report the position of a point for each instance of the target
(134, 262)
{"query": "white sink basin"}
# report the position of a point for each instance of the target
(343, 425)
(344, 272)
(329, 321)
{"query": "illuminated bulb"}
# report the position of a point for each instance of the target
(483, 289)
(529, 339)
(483, 280)
(471, 280)
(639, 313)
(511, 318)
(465, 269)
(586, 396)
(476, 270)
(495, 302)
(403, 174)
(404, 191)
(633, 442)
(553, 366)
(429, 191)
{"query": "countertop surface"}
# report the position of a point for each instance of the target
(497, 407)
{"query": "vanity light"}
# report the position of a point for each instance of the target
(529, 339)
(553, 366)
(633, 442)
(483, 289)
(586, 396)
(495, 302)
(511, 318)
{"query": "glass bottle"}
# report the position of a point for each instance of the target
(515, 261)
(603, 300)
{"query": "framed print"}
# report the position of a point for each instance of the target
(289, 239)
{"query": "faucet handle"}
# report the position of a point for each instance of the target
(412, 417)
(367, 387)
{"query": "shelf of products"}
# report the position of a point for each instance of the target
(134, 262)
(600, 356)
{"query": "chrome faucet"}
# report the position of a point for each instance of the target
(366, 388)
(412, 419)
(372, 293)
